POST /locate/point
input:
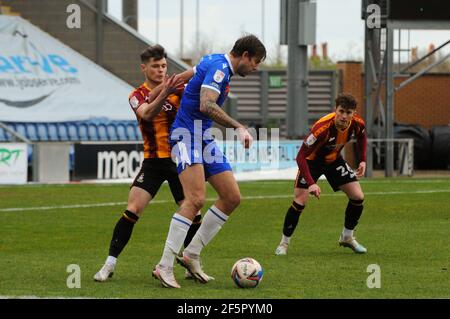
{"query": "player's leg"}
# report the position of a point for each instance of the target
(144, 188)
(219, 174)
(229, 198)
(193, 181)
(137, 201)
(293, 213)
(353, 213)
(178, 194)
(291, 219)
(341, 177)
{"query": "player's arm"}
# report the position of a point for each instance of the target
(187, 75)
(181, 78)
(361, 142)
(308, 147)
(208, 106)
(155, 101)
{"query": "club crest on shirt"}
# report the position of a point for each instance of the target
(134, 102)
(218, 76)
(310, 140)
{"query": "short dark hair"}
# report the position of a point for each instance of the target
(346, 101)
(252, 45)
(154, 51)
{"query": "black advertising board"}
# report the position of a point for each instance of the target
(107, 161)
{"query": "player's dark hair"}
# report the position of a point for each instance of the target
(346, 101)
(252, 45)
(156, 52)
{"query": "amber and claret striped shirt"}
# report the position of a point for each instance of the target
(325, 142)
(155, 133)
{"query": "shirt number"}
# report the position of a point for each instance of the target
(345, 170)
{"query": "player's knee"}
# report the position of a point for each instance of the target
(357, 200)
(234, 200)
(136, 209)
(360, 197)
(196, 201)
(301, 197)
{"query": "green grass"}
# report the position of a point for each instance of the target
(405, 226)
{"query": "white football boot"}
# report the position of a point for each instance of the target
(351, 242)
(193, 265)
(165, 276)
(107, 271)
(282, 249)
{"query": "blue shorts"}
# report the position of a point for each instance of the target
(203, 152)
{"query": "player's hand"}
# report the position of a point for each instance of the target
(172, 84)
(245, 137)
(361, 169)
(314, 189)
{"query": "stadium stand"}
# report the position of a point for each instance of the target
(62, 132)
(121, 131)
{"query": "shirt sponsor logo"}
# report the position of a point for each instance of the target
(214, 84)
(167, 107)
(219, 76)
(331, 139)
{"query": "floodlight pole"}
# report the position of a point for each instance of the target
(297, 72)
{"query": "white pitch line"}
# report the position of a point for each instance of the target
(20, 209)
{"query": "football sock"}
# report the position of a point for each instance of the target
(347, 232)
(353, 213)
(211, 224)
(111, 260)
(193, 229)
(285, 239)
(178, 229)
(291, 219)
(122, 233)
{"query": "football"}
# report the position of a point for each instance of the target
(247, 273)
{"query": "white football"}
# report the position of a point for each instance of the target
(247, 273)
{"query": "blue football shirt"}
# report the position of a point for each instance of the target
(213, 72)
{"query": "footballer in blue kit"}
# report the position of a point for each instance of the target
(198, 157)
(213, 72)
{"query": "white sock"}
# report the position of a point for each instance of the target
(179, 227)
(111, 260)
(347, 232)
(212, 222)
(285, 239)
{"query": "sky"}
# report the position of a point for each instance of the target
(221, 22)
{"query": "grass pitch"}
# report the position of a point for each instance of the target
(405, 226)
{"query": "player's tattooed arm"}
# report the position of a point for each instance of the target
(209, 107)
